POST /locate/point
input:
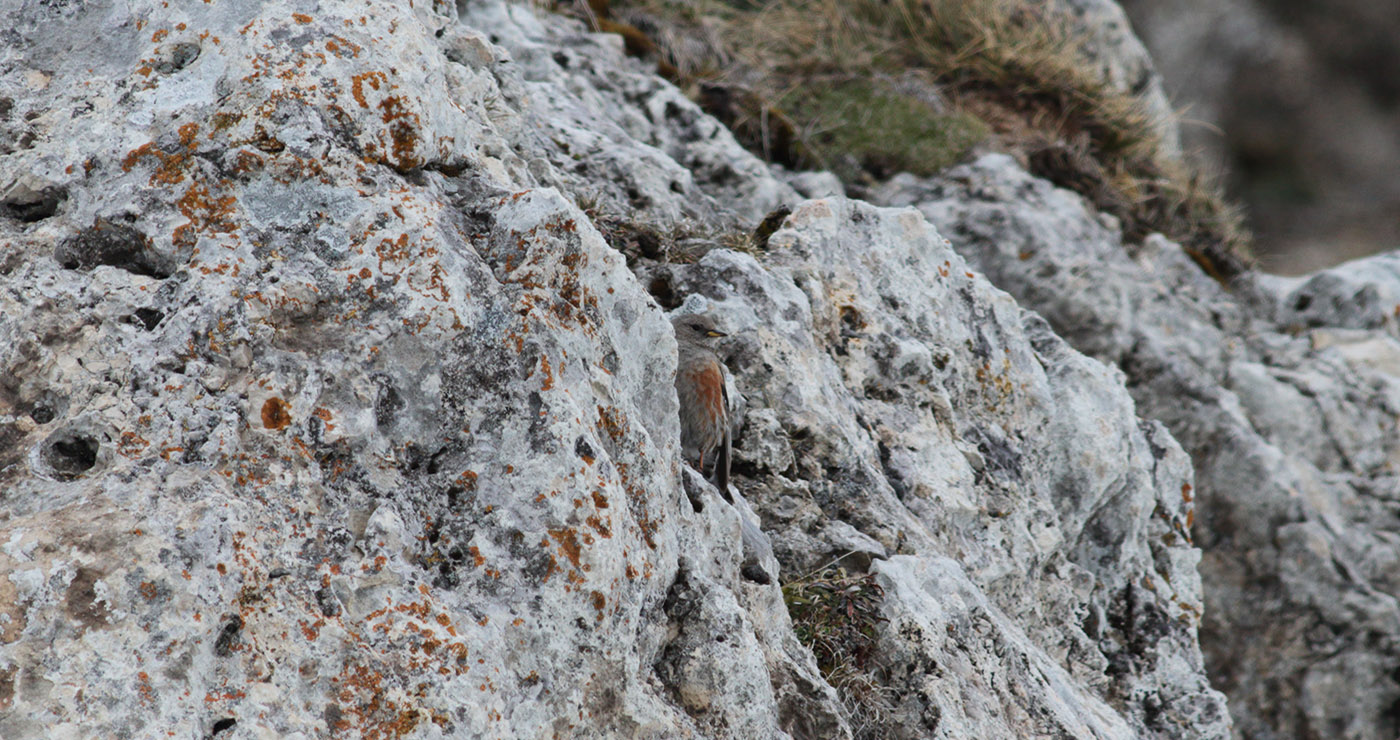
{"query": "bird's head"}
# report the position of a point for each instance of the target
(696, 329)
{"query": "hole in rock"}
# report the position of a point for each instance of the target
(117, 245)
(326, 601)
(660, 289)
(34, 206)
(454, 495)
(41, 414)
(228, 636)
(227, 723)
(70, 455)
(176, 57)
(637, 198)
(44, 408)
(149, 317)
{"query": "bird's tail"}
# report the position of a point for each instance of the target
(721, 474)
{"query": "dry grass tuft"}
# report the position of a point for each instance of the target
(869, 87)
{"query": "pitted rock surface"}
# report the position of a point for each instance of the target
(327, 408)
(914, 405)
(323, 416)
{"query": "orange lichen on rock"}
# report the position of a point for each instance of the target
(205, 211)
(357, 83)
(568, 543)
(548, 373)
(403, 132)
(276, 414)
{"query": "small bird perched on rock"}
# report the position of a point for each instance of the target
(703, 398)
(705, 428)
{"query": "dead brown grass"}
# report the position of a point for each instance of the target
(933, 80)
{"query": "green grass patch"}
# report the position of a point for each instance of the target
(856, 128)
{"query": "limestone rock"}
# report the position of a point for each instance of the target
(326, 408)
(882, 365)
(323, 413)
(1285, 393)
(616, 132)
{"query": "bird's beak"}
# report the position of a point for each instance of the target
(715, 333)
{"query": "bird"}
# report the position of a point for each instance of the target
(704, 401)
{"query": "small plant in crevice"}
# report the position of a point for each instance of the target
(836, 614)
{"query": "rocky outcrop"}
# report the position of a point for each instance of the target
(322, 414)
(336, 398)
(910, 398)
(1284, 392)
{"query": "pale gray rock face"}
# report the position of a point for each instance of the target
(617, 133)
(321, 415)
(1286, 395)
(324, 408)
(909, 407)
(1362, 294)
